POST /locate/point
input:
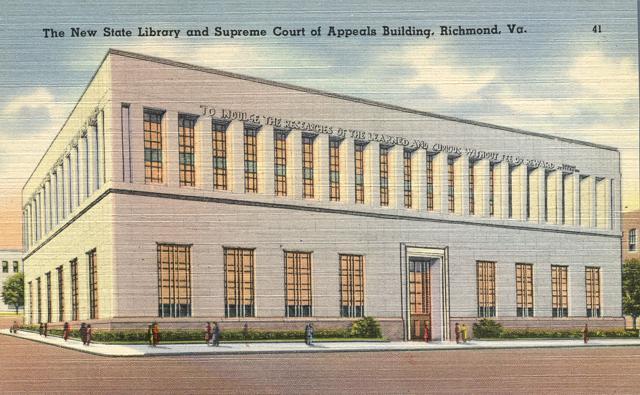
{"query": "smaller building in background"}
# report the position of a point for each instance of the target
(630, 229)
(11, 261)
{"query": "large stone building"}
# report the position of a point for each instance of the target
(11, 261)
(182, 194)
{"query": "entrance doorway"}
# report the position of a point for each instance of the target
(420, 297)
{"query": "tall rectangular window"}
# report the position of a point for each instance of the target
(5, 266)
(174, 280)
(510, 189)
(239, 294)
(408, 198)
(152, 147)
(359, 171)
(250, 159)
(334, 170)
(486, 278)
(384, 176)
(76, 167)
(87, 180)
(472, 192)
(419, 286)
(63, 193)
(492, 172)
(39, 300)
(632, 239)
(547, 174)
(451, 184)
(93, 284)
(280, 162)
(75, 306)
(31, 302)
(219, 145)
(307, 165)
(559, 292)
(429, 170)
(186, 150)
(351, 285)
(298, 284)
(592, 287)
(16, 266)
(60, 293)
(49, 312)
(524, 290)
(55, 217)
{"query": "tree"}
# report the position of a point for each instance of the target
(13, 291)
(631, 288)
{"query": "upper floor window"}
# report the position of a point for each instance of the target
(152, 146)
(429, 170)
(16, 266)
(632, 239)
(280, 162)
(472, 196)
(451, 184)
(186, 148)
(219, 145)
(492, 172)
(307, 165)
(250, 159)
(384, 176)
(359, 171)
(5, 267)
(408, 198)
(334, 169)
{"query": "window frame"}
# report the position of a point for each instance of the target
(486, 288)
(352, 285)
(187, 149)
(299, 264)
(153, 146)
(234, 258)
(525, 299)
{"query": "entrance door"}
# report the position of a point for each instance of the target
(419, 297)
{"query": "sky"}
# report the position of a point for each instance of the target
(559, 77)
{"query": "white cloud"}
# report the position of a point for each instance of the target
(39, 99)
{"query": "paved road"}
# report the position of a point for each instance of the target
(29, 366)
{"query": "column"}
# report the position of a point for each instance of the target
(294, 164)
(615, 192)
(501, 190)
(73, 170)
(266, 161)
(171, 152)
(481, 187)
(603, 192)
(571, 202)
(45, 209)
(102, 168)
(125, 142)
(92, 132)
(536, 195)
(372, 174)
(235, 156)
(320, 166)
(347, 171)
(82, 167)
(419, 179)
(587, 201)
(554, 197)
(396, 177)
(440, 183)
(519, 192)
(204, 153)
(461, 185)
(136, 143)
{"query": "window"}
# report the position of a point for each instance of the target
(87, 182)
(592, 279)
(56, 198)
(152, 147)
(5, 267)
(69, 184)
(559, 292)
(186, 149)
(359, 171)
(492, 173)
(486, 276)
(174, 280)
(297, 284)
(63, 195)
(419, 286)
(510, 189)
(524, 290)
(280, 158)
(16, 266)
(39, 291)
(93, 284)
(307, 165)
(632, 239)
(429, 170)
(76, 165)
(351, 285)
(219, 155)
(239, 296)
(48, 278)
(60, 293)
(547, 173)
(451, 184)
(472, 196)
(75, 306)
(30, 302)
(408, 199)
(250, 159)
(334, 170)
(384, 176)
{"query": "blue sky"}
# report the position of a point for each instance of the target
(558, 78)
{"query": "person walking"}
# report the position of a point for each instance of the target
(89, 334)
(155, 332)
(150, 334)
(457, 333)
(465, 333)
(308, 334)
(208, 333)
(83, 333)
(41, 329)
(65, 331)
(216, 334)
(585, 334)
(426, 332)
(46, 329)
(14, 327)
(245, 332)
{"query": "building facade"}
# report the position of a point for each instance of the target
(182, 194)
(11, 261)
(630, 228)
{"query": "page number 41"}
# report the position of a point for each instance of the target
(597, 29)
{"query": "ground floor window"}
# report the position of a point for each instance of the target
(419, 286)
(239, 295)
(174, 280)
(93, 284)
(351, 285)
(39, 291)
(486, 278)
(298, 284)
(48, 279)
(60, 294)
(524, 290)
(592, 280)
(31, 302)
(559, 292)
(75, 307)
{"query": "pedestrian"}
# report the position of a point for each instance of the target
(65, 331)
(457, 332)
(208, 333)
(14, 327)
(585, 334)
(155, 332)
(245, 331)
(308, 334)
(41, 329)
(426, 332)
(46, 329)
(150, 334)
(465, 333)
(88, 334)
(83, 333)
(216, 334)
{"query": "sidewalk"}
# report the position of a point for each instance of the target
(115, 350)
